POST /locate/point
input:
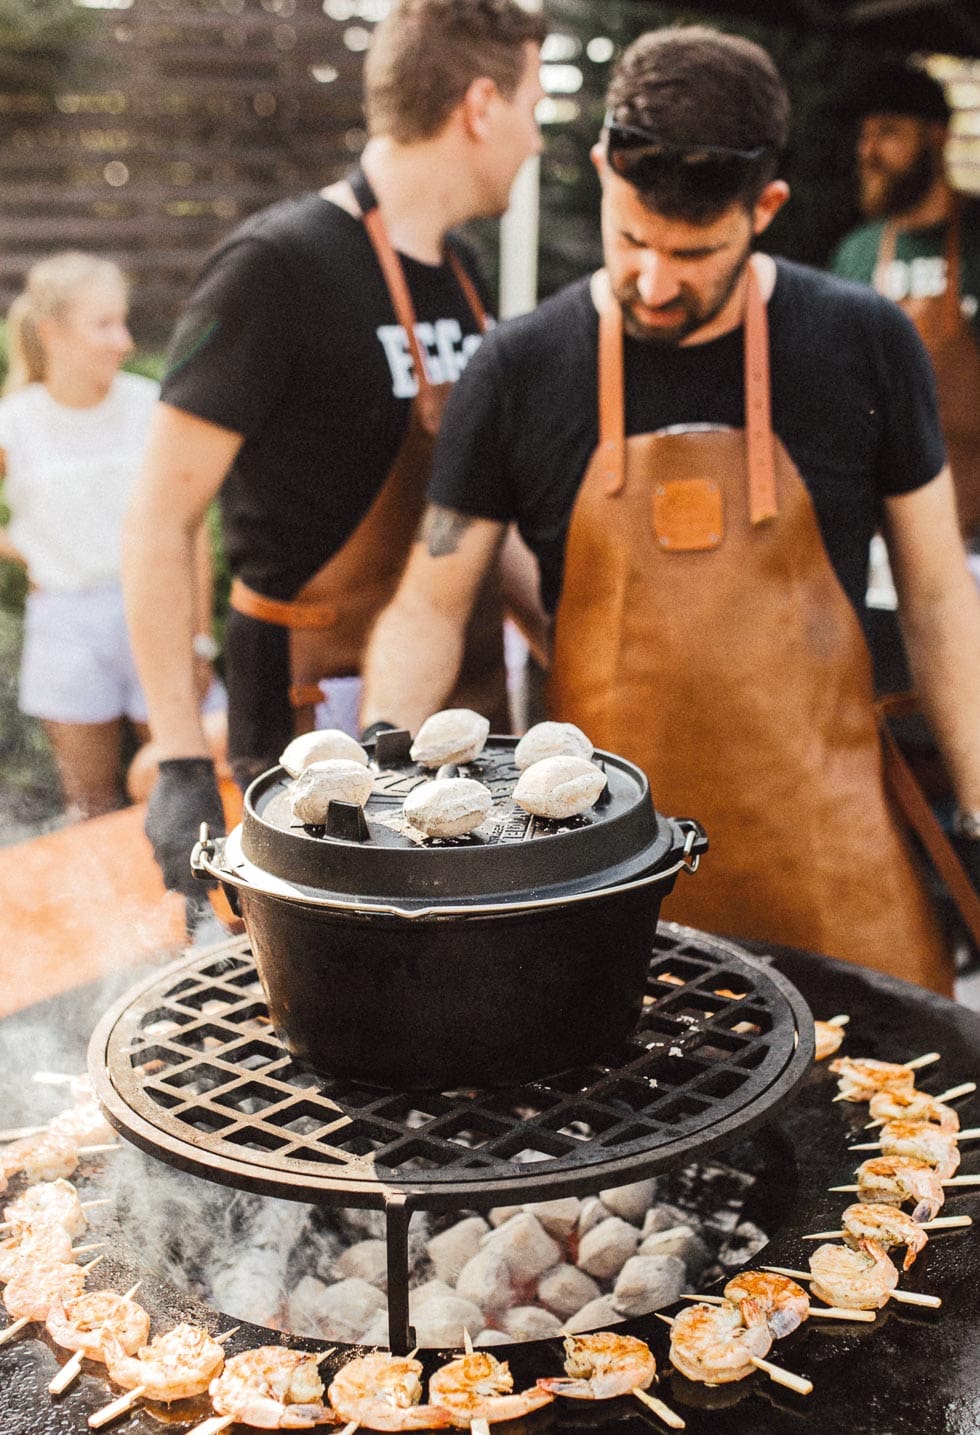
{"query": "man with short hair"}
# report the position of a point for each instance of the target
(921, 247)
(696, 443)
(305, 384)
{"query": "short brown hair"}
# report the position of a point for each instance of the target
(426, 53)
(692, 86)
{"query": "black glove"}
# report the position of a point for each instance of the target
(186, 794)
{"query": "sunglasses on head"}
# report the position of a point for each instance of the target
(646, 161)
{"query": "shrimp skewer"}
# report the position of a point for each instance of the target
(40, 1158)
(918, 1106)
(477, 1390)
(605, 1365)
(828, 1036)
(861, 1078)
(268, 1387)
(32, 1291)
(176, 1365)
(82, 1325)
(893, 1180)
(785, 1304)
(47, 1243)
(719, 1344)
(889, 1226)
(383, 1392)
(862, 1275)
(920, 1139)
(48, 1203)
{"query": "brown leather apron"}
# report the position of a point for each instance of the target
(331, 616)
(952, 344)
(703, 634)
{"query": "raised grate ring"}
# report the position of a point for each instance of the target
(189, 1067)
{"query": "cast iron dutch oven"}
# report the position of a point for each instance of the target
(510, 954)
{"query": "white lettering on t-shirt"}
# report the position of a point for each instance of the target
(445, 353)
(921, 278)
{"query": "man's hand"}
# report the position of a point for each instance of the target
(186, 794)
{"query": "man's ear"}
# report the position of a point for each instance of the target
(475, 105)
(597, 154)
(768, 205)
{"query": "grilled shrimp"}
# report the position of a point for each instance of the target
(47, 1243)
(41, 1158)
(887, 1225)
(176, 1365)
(272, 1389)
(924, 1141)
(49, 1203)
(477, 1386)
(716, 1344)
(85, 1322)
(893, 1180)
(827, 1037)
(382, 1392)
(602, 1366)
(784, 1304)
(859, 1080)
(913, 1106)
(33, 1290)
(84, 1123)
(860, 1277)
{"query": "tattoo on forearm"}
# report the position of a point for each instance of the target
(442, 530)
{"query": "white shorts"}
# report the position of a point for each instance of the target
(77, 665)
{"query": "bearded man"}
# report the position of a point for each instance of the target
(921, 247)
(697, 443)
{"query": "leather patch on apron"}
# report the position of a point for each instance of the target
(688, 515)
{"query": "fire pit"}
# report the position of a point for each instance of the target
(910, 1371)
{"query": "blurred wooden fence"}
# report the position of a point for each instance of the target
(188, 116)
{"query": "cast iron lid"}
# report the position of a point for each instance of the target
(512, 855)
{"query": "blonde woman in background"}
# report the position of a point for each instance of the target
(72, 433)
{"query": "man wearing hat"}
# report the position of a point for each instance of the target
(921, 247)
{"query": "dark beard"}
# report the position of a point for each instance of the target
(691, 319)
(902, 192)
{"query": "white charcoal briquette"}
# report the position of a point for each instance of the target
(551, 739)
(336, 780)
(321, 746)
(559, 787)
(448, 806)
(453, 735)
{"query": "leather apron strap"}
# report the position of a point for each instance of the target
(758, 411)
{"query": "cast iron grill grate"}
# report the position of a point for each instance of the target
(189, 1067)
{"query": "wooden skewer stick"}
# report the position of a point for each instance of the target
(212, 1425)
(17, 1133)
(67, 1374)
(53, 1078)
(799, 1383)
(940, 1223)
(97, 1150)
(918, 1062)
(931, 1302)
(102, 1201)
(838, 1021)
(972, 1133)
(951, 1181)
(116, 1408)
(662, 1411)
(12, 1330)
(226, 1335)
(829, 1312)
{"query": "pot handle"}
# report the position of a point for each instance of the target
(695, 842)
(207, 864)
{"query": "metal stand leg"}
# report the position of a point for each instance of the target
(401, 1337)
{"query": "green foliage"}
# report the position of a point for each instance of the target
(39, 40)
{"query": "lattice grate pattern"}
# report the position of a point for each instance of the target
(195, 1057)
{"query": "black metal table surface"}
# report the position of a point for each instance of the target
(912, 1371)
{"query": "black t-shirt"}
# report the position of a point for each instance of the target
(290, 339)
(853, 400)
